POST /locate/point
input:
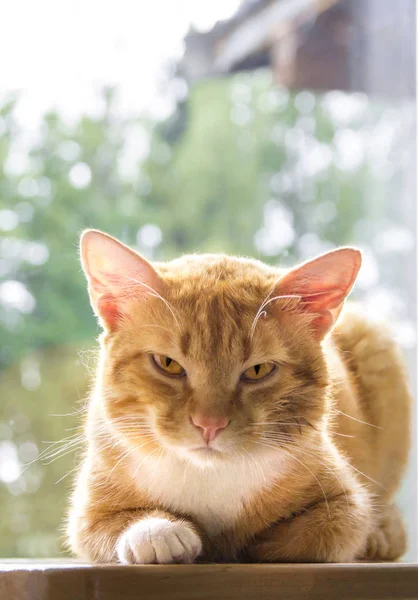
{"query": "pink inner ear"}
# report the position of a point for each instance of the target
(323, 284)
(109, 310)
(115, 274)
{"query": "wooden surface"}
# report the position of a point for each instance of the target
(70, 580)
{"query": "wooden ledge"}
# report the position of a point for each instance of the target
(72, 580)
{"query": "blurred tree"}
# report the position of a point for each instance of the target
(41, 411)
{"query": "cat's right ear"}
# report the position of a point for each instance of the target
(116, 275)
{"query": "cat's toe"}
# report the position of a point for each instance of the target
(156, 540)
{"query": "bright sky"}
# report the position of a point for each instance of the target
(60, 52)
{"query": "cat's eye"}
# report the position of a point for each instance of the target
(168, 365)
(258, 372)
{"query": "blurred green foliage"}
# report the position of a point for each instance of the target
(251, 170)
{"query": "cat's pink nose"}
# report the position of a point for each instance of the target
(210, 426)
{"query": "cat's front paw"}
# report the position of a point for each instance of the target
(388, 540)
(156, 540)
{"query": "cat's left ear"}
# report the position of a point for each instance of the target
(322, 285)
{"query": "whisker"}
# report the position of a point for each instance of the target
(142, 462)
(257, 465)
(265, 303)
(358, 420)
(185, 470)
(66, 475)
(73, 414)
(307, 468)
(125, 454)
(367, 476)
(156, 295)
(258, 314)
(50, 460)
(324, 464)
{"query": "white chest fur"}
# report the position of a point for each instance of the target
(214, 494)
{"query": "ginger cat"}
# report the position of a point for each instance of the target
(234, 418)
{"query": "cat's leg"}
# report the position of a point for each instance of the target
(387, 541)
(332, 531)
(136, 536)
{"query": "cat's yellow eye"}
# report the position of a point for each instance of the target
(168, 365)
(258, 372)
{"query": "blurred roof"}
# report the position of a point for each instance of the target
(235, 43)
(353, 45)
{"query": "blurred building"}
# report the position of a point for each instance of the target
(351, 45)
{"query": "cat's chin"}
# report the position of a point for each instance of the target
(203, 456)
(204, 451)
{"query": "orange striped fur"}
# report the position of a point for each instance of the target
(308, 466)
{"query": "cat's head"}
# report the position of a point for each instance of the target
(213, 356)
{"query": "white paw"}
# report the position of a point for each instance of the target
(155, 540)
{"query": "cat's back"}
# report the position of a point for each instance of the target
(374, 406)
